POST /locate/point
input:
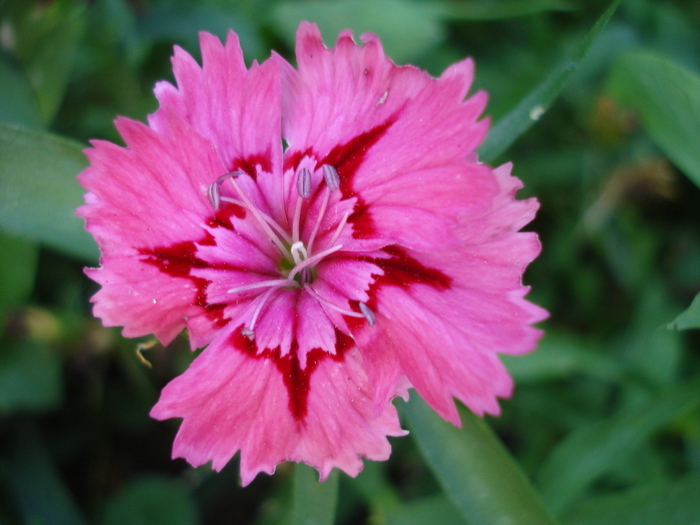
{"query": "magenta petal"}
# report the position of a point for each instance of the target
(329, 233)
(232, 401)
(216, 100)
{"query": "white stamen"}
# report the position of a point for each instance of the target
(278, 229)
(296, 220)
(263, 299)
(330, 175)
(248, 333)
(368, 313)
(319, 217)
(312, 260)
(262, 284)
(304, 183)
(340, 227)
(330, 305)
(256, 213)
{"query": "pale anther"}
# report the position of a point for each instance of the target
(368, 313)
(248, 333)
(306, 276)
(214, 195)
(304, 183)
(213, 192)
(330, 175)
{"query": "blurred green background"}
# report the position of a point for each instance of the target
(603, 127)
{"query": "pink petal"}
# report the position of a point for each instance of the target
(231, 400)
(236, 109)
(416, 250)
(407, 136)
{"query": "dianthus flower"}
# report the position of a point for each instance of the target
(328, 234)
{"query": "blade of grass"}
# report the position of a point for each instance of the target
(667, 97)
(587, 453)
(39, 192)
(533, 106)
(314, 502)
(475, 469)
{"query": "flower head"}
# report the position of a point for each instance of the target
(328, 233)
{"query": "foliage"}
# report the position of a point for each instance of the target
(597, 105)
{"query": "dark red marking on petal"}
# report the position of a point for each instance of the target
(222, 218)
(249, 163)
(362, 222)
(401, 270)
(292, 160)
(208, 240)
(296, 380)
(347, 158)
(178, 260)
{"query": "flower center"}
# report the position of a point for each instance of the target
(298, 259)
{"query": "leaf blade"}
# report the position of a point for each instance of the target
(507, 130)
(39, 190)
(588, 452)
(667, 97)
(314, 502)
(689, 318)
(475, 469)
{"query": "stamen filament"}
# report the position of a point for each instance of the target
(258, 309)
(262, 284)
(256, 213)
(278, 229)
(296, 220)
(339, 229)
(319, 217)
(312, 260)
(330, 305)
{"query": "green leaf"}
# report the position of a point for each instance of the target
(535, 104)
(18, 105)
(177, 21)
(152, 500)
(560, 356)
(690, 318)
(489, 10)
(47, 38)
(676, 503)
(18, 260)
(650, 351)
(475, 469)
(39, 192)
(430, 509)
(314, 502)
(30, 377)
(37, 488)
(407, 29)
(589, 452)
(667, 97)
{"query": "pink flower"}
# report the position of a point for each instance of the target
(328, 233)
